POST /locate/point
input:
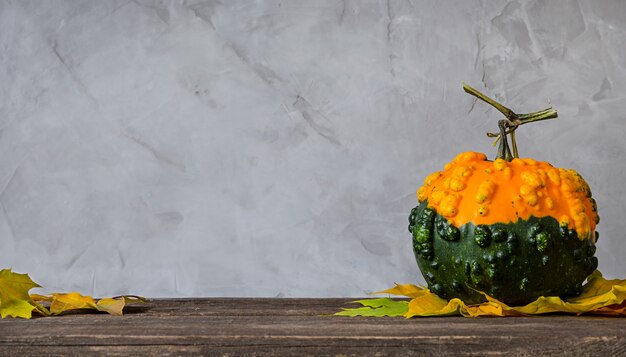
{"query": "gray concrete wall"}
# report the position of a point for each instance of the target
(273, 148)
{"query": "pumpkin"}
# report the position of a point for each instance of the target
(515, 229)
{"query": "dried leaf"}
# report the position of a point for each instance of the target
(377, 307)
(596, 285)
(112, 306)
(131, 299)
(71, 301)
(408, 290)
(600, 296)
(430, 304)
(14, 298)
(60, 303)
(612, 310)
(16, 302)
(41, 298)
(598, 293)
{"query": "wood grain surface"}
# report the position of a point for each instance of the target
(297, 327)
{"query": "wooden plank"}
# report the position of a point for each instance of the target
(302, 327)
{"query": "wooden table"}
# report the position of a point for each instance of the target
(302, 327)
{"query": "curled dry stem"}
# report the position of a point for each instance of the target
(510, 124)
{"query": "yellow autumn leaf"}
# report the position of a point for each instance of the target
(14, 298)
(430, 304)
(489, 308)
(115, 305)
(131, 299)
(71, 301)
(16, 302)
(596, 286)
(41, 298)
(600, 296)
(408, 290)
(611, 310)
(597, 293)
(60, 303)
(112, 306)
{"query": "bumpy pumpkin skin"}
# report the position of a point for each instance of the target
(515, 262)
(514, 230)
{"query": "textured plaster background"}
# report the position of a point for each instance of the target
(273, 148)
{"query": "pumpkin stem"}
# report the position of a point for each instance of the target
(514, 144)
(504, 152)
(510, 124)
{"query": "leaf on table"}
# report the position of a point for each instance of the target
(489, 308)
(430, 304)
(131, 299)
(377, 307)
(408, 290)
(596, 286)
(111, 306)
(60, 303)
(71, 301)
(41, 298)
(611, 310)
(600, 296)
(115, 305)
(16, 302)
(492, 307)
(14, 298)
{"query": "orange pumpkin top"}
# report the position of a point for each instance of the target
(473, 189)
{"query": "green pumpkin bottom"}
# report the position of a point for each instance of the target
(513, 262)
